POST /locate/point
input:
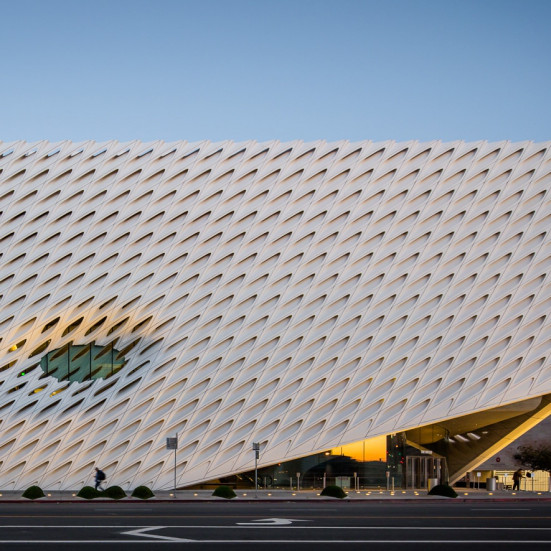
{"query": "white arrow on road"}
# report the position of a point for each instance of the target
(141, 533)
(271, 522)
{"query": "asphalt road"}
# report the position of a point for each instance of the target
(300, 526)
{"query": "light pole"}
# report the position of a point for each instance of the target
(256, 450)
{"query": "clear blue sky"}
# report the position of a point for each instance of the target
(279, 69)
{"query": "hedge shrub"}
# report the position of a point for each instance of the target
(333, 491)
(443, 490)
(114, 492)
(34, 492)
(89, 493)
(143, 492)
(224, 491)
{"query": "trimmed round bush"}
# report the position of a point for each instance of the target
(89, 493)
(143, 492)
(34, 492)
(333, 491)
(114, 492)
(224, 491)
(443, 490)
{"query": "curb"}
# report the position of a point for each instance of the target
(420, 499)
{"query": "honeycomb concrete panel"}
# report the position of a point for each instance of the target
(302, 295)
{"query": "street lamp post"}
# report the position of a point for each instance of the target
(256, 450)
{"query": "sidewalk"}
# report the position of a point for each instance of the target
(401, 496)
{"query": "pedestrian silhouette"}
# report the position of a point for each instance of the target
(100, 477)
(517, 475)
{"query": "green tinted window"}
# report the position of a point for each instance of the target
(77, 363)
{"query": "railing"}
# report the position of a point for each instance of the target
(535, 483)
(318, 483)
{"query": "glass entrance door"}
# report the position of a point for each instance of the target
(419, 468)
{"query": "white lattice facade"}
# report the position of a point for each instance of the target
(302, 295)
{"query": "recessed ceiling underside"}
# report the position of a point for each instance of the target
(302, 295)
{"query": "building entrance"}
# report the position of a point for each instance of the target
(419, 468)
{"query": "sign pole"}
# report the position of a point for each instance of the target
(172, 444)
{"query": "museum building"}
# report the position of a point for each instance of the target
(353, 308)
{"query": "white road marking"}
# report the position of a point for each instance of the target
(290, 527)
(141, 533)
(92, 541)
(377, 541)
(130, 508)
(271, 522)
(498, 509)
(226, 541)
(54, 526)
(309, 509)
